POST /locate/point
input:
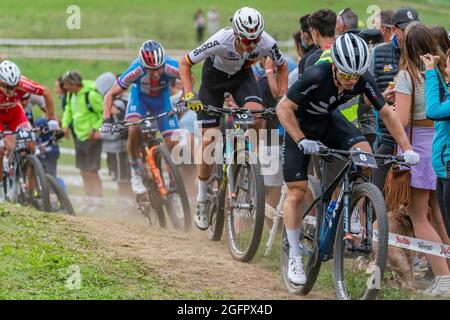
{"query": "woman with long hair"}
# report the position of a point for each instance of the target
(410, 82)
(441, 36)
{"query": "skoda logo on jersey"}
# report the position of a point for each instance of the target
(206, 46)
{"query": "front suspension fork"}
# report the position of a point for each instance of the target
(155, 170)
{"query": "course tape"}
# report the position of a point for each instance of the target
(409, 243)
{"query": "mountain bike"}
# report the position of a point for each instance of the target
(24, 179)
(358, 268)
(166, 193)
(236, 187)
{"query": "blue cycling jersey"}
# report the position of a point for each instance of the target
(137, 76)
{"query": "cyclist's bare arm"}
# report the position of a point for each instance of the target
(282, 79)
(185, 74)
(49, 105)
(395, 127)
(287, 118)
(108, 101)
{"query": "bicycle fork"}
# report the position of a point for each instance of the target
(155, 171)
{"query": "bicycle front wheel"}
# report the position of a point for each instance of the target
(34, 189)
(59, 201)
(175, 203)
(216, 202)
(359, 263)
(245, 210)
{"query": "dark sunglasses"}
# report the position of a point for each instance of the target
(249, 41)
(7, 87)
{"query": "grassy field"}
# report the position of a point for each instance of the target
(40, 253)
(172, 21)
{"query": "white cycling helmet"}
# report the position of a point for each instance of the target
(9, 73)
(351, 54)
(248, 23)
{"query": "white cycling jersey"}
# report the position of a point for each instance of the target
(221, 49)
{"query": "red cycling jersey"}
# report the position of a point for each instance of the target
(24, 86)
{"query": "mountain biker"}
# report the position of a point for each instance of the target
(228, 56)
(308, 114)
(13, 86)
(149, 77)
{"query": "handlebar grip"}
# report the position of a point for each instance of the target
(59, 134)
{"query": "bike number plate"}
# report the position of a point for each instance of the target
(364, 160)
(243, 118)
(149, 125)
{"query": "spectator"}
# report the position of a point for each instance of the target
(322, 24)
(440, 112)
(49, 154)
(383, 22)
(312, 50)
(84, 109)
(273, 175)
(115, 145)
(385, 63)
(347, 21)
(199, 25)
(441, 36)
(293, 75)
(28, 101)
(418, 40)
(213, 20)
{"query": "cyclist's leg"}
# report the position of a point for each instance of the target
(295, 173)
(135, 111)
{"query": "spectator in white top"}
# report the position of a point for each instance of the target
(213, 20)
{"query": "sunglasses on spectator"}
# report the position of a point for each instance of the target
(249, 41)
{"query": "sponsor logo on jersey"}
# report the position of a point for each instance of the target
(206, 46)
(372, 90)
(171, 70)
(131, 76)
(276, 51)
(231, 54)
(253, 56)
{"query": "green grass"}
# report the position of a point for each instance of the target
(172, 21)
(37, 250)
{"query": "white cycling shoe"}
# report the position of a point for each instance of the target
(137, 185)
(440, 287)
(296, 272)
(201, 218)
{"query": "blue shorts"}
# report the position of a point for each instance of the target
(140, 104)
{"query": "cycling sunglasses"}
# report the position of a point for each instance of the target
(249, 41)
(346, 76)
(7, 87)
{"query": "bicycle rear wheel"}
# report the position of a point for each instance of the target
(176, 203)
(245, 210)
(34, 190)
(59, 201)
(359, 263)
(308, 241)
(216, 203)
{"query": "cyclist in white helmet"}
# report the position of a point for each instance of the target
(308, 114)
(228, 56)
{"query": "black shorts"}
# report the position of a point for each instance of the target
(335, 132)
(88, 155)
(119, 166)
(242, 86)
